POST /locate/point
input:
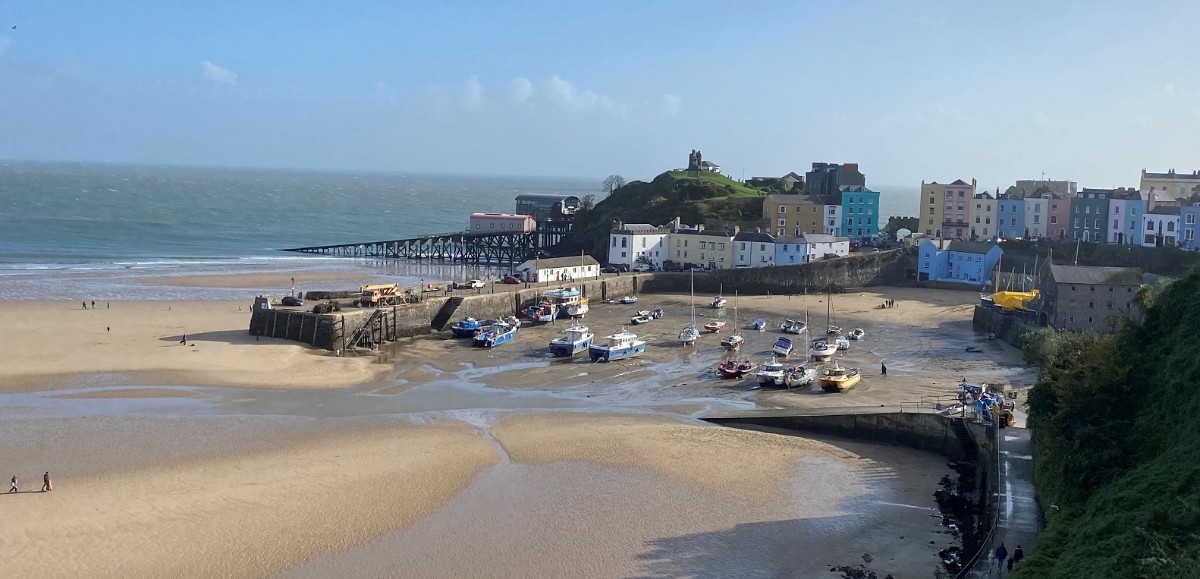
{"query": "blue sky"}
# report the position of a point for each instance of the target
(1090, 91)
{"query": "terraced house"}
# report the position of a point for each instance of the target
(860, 214)
(1089, 213)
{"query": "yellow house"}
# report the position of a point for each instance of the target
(933, 212)
(712, 249)
(794, 215)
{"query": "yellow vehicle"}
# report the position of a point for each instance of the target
(839, 379)
(379, 294)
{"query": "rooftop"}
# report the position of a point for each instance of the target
(1194, 175)
(556, 262)
(821, 238)
(1088, 275)
(970, 247)
(960, 182)
(1165, 210)
(754, 236)
(545, 197)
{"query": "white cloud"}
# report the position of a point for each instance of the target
(5, 42)
(218, 74)
(472, 96)
(566, 95)
(522, 89)
(671, 104)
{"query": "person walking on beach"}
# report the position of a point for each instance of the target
(85, 304)
(883, 368)
(13, 489)
(183, 340)
(93, 304)
(1001, 555)
(46, 486)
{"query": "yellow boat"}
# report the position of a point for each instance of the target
(838, 379)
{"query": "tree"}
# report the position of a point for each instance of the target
(587, 203)
(613, 182)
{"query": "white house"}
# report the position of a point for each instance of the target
(833, 219)
(633, 243)
(559, 269)
(753, 249)
(1162, 227)
(1036, 217)
(822, 246)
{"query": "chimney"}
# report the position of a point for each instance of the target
(700, 227)
(972, 183)
(737, 229)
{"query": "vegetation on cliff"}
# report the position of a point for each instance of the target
(1117, 456)
(693, 197)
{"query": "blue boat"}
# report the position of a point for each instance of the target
(466, 328)
(617, 346)
(576, 339)
(498, 333)
(544, 311)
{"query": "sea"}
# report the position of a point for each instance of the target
(99, 231)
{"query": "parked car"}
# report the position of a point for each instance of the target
(643, 267)
(614, 269)
(472, 284)
(512, 279)
(291, 301)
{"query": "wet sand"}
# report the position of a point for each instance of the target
(57, 344)
(306, 281)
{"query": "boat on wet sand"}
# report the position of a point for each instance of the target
(793, 327)
(735, 340)
(800, 376)
(628, 300)
(690, 334)
(639, 319)
(857, 334)
(759, 324)
(466, 328)
(578, 338)
(578, 309)
(735, 368)
(823, 348)
(838, 379)
(542, 312)
(783, 346)
(617, 346)
(498, 333)
(772, 374)
(842, 343)
(714, 326)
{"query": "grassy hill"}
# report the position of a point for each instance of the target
(1117, 427)
(693, 197)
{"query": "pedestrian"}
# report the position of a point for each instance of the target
(107, 305)
(1010, 564)
(883, 368)
(1018, 555)
(1001, 555)
(13, 489)
(85, 304)
(108, 329)
(93, 304)
(46, 486)
(183, 340)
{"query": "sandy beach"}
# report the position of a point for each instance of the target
(57, 344)
(239, 457)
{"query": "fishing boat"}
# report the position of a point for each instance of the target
(857, 334)
(719, 301)
(690, 334)
(465, 328)
(714, 326)
(544, 311)
(498, 333)
(565, 298)
(782, 347)
(823, 348)
(639, 319)
(735, 369)
(793, 327)
(617, 346)
(628, 300)
(576, 339)
(578, 309)
(734, 341)
(657, 313)
(772, 374)
(838, 379)
(800, 376)
(759, 324)
(842, 343)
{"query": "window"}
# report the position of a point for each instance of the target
(1072, 288)
(931, 211)
(1053, 219)
(622, 254)
(1117, 209)
(783, 209)
(1037, 208)
(643, 243)
(1188, 234)
(976, 219)
(961, 193)
(1076, 223)
(1014, 222)
(1037, 219)
(987, 221)
(1098, 224)
(1170, 226)
(1132, 224)
(1190, 219)
(1093, 289)
(832, 210)
(783, 223)
(1087, 209)
(1091, 306)
(614, 240)
(624, 242)
(743, 246)
(1116, 224)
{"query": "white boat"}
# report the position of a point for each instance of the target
(842, 343)
(793, 327)
(717, 303)
(642, 313)
(772, 374)
(857, 334)
(714, 326)
(759, 324)
(566, 298)
(657, 313)
(616, 346)
(783, 346)
(690, 334)
(735, 340)
(576, 339)
(578, 310)
(800, 376)
(823, 349)
(639, 319)
(628, 300)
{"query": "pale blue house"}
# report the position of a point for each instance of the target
(791, 251)
(1010, 212)
(1189, 224)
(966, 262)
(860, 213)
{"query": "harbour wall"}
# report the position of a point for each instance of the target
(435, 314)
(1007, 328)
(921, 430)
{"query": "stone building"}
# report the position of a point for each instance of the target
(1089, 299)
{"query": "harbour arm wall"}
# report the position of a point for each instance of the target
(435, 312)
